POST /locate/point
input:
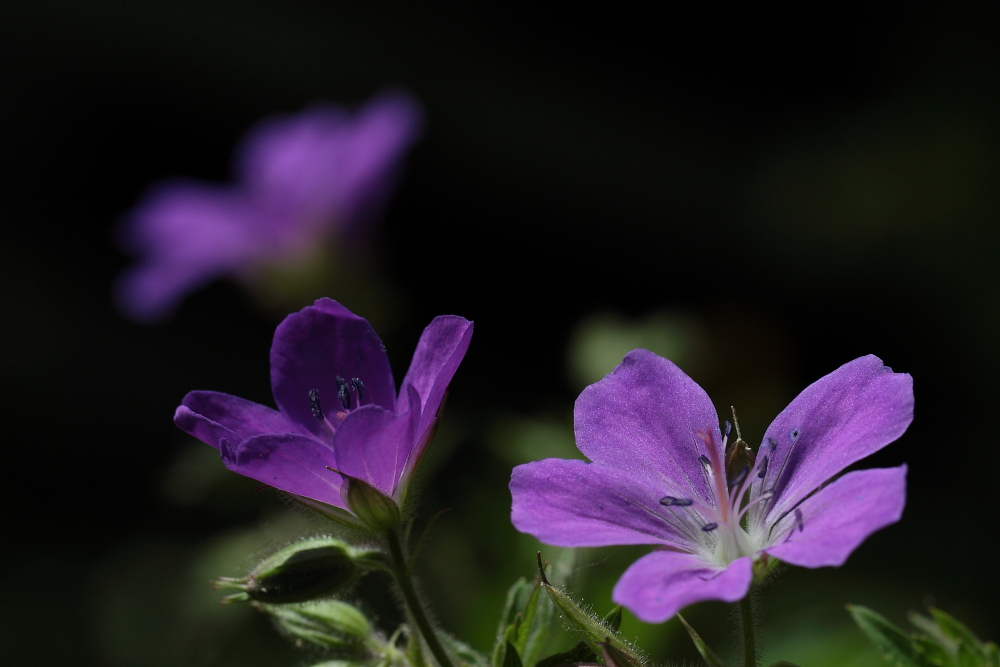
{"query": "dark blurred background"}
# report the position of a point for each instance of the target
(761, 194)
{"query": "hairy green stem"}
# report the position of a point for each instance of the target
(748, 630)
(401, 573)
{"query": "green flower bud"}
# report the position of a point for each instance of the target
(330, 624)
(312, 568)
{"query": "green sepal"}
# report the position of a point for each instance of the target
(376, 511)
(336, 514)
(706, 653)
(896, 646)
(510, 656)
(579, 653)
(613, 619)
(783, 663)
(591, 628)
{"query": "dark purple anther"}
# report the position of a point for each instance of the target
(343, 393)
(359, 386)
(314, 405)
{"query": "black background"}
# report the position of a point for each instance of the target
(813, 185)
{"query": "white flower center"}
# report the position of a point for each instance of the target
(715, 527)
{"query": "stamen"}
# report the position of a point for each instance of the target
(794, 435)
(343, 393)
(772, 442)
(705, 463)
(729, 428)
(359, 386)
(314, 405)
(767, 495)
(709, 527)
(670, 501)
(740, 477)
(763, 468)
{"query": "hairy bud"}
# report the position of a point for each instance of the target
(312, 568)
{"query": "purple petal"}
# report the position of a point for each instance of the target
(203, 428)
(643, 418)
(285, 160)
(660, 584)
(854, 411)
(441, 349)
(383, 131)
(577, 504)
(324, 163)
(315, 346)
(293, 463)
(243, 417)
(185, 235)
(827, 527)
(372, 444)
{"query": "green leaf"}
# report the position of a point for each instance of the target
(783, 663)
(992, 654)
(517, 598)
(533, 632)
(467, 655)
(579, 653)
(706, 653)
(527, 623)
(971, 651)
(896, 646)
(934, 651)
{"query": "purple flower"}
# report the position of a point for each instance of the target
(658, 476)
(337, 409)
(299, 178)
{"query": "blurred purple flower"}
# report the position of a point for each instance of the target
(658, 476)
(299, 179)
(337, 408)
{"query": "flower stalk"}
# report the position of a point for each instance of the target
(399, 567)
(748, 630)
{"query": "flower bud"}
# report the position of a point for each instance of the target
(312, 568)
(330, 624)
(377, 511)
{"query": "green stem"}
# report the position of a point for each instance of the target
(401, 573)
(748, 630)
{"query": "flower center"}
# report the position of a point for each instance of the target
(345, 390)
(716, 525)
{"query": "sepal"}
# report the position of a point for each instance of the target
(375, 511)
(593, 630)
(706, 653)
(312, 568)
